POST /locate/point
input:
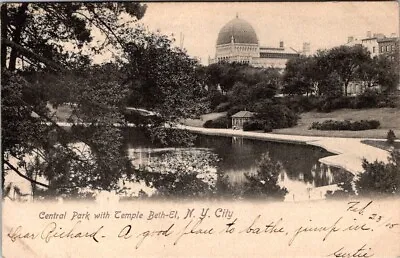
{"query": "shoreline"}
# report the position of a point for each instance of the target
(348, 152)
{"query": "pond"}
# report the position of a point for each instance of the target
(302, 173)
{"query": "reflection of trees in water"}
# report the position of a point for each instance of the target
(300, 162)
(239, 156)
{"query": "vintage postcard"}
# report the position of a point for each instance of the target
(206, 129)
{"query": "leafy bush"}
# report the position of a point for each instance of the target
(390, 137)
(222, 122)
(368, 99)
(345, 125)
(170, 136)
(276, 116)
(333, 103)
(267, 128)
(301, 103)
(253, 125)
(379, 177)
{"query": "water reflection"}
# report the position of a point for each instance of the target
(301, 170)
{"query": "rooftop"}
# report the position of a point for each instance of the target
(243, 114)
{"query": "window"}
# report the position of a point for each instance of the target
(373, 49)
(382, 49)
(387, 48)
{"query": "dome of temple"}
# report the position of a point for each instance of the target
(240, 30)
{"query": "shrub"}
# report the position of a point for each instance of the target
(253, 125)
(222, 122)
(277, 116)
(301, 103)
(267, 128)
(391, 137)
(380, 177)
(368, 99)
(333, 103)
(345, 125)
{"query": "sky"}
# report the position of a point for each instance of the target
(324, 25)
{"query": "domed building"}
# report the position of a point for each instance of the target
(238, 42)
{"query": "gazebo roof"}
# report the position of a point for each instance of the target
(243, 114)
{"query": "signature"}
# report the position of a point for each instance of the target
(364, 251)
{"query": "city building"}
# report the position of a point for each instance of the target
(377, 43)
(389, 47)
(238, 42)
(240, 118)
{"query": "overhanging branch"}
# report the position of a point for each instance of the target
(29, 53)
(24, 176)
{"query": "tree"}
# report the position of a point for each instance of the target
(345, 62)
(380, 178)
(299, 76)
(161, 78)
(41, 65)
(44, 28)
(275, 115)
(265, 182)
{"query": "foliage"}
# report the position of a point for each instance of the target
(368, 99)
(346, 125)
(216, 98)
(345, 185)
(187, 175)
(301, 103)
(253, 125)
(53, 44)
(329, 72)
(298, 77)
(265, 182)
(44, 29)
(168, 136)
(161, 78)
(222, 122)
(380, 178)
(222, 107)
(328, 104)
(234, 109)
(276, 115)
(390, 137)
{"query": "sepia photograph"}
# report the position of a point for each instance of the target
(287, 104)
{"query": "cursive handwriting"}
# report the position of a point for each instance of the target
(52, 230)
(194, 229)
(360, 252)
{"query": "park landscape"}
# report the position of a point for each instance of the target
(151, 122)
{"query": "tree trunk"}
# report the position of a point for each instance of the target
(4, 23)
(16, 37)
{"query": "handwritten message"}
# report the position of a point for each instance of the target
(351, 229)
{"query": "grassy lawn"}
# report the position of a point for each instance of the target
(382, 144)
(388, 117)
